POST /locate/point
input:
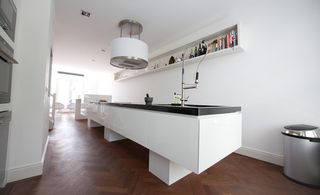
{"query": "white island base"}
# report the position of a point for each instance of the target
(178, 144)
(166, 170)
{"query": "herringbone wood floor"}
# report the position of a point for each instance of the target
(80, 161)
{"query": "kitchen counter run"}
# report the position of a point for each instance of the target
(195, 110)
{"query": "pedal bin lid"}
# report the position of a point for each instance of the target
(302, 131)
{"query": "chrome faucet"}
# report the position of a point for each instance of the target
(187, 86)
(196, 82)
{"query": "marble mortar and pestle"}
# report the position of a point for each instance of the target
(148, 99)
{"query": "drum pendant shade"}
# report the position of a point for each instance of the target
(129, 52)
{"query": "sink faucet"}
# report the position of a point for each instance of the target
(187, 86)
(196, 82)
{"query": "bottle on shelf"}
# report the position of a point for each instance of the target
(210, 47)
(195, 51)
(191, 54)
(214, 45)
(200, 52)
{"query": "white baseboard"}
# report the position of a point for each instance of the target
(24, 172)
(261, 155)
(3, 183)
(28, 170)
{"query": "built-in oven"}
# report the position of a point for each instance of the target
(8, 15)
(6, 61)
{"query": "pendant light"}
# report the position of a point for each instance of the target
(126, 51)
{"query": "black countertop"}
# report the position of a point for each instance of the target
(195, 110)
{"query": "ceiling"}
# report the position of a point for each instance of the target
(79, 40)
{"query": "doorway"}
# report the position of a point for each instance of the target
(69, 87)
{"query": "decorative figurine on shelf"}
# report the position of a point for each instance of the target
(172, 60)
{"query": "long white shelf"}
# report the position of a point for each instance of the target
(126, 74)
(159, 62)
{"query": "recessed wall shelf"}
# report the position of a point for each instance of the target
(161, 62)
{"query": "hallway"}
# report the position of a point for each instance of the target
(80, 161)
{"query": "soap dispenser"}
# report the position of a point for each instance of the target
(176, 99)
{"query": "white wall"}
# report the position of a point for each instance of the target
(29, 103)
(275, 81)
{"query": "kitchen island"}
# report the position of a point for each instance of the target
(180, 140)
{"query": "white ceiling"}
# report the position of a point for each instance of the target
(79, 39)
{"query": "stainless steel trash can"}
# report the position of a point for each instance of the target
(302, 154)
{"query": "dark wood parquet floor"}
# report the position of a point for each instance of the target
(80, 161)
